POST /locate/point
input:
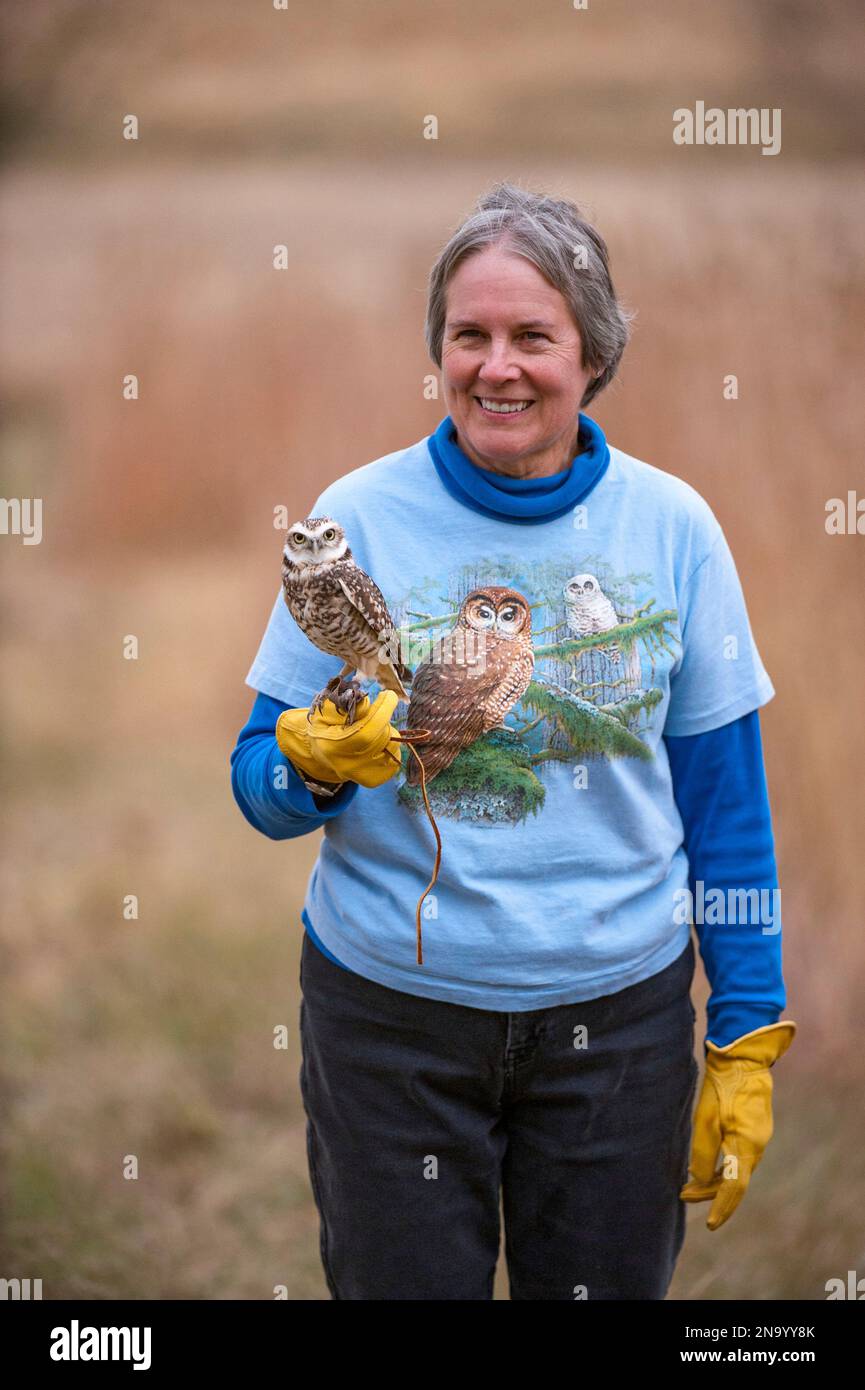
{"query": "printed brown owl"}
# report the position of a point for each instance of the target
(473, 676)
(341, 610)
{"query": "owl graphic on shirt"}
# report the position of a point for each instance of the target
(590, 611)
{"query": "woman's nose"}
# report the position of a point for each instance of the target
(498, 364)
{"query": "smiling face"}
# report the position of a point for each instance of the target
(510, 341)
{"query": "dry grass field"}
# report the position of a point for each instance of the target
(153, 1037)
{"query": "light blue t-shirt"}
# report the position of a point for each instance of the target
(563, 872)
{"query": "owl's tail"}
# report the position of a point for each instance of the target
(395, 676)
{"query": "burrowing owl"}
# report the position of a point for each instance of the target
(339, 608)
(590, 611)
(472, 676)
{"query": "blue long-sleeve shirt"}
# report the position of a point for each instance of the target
(719, 784)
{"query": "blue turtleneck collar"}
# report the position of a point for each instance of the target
(522, 500)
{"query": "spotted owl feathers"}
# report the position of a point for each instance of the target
(473, 676)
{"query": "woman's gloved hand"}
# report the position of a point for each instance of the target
(328, 751)
(734, 1114)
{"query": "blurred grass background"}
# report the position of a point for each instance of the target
(154, 1037)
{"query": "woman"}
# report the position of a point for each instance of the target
(544, 1049)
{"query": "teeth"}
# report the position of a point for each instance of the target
(505, 407)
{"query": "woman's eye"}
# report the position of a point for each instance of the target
(475, 332)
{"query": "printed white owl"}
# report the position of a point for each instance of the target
(590, 611)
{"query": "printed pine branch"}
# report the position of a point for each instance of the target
(626, 709)
(588, 728)
(625, 635)
(426, 623)
(650, 627)
(552, 755)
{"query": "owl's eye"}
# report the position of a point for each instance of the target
(330, 534)
(589, 584)
(485, 613)
(298, 537)
(508, 615)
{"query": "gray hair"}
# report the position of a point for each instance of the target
(549, 232)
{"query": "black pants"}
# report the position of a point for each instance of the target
(421, 1114)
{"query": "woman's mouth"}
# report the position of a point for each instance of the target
(503, 409)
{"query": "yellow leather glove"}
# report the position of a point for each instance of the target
(734, 1114)
(328, 751)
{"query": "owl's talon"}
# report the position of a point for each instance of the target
(346, 697)
(315, 705)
